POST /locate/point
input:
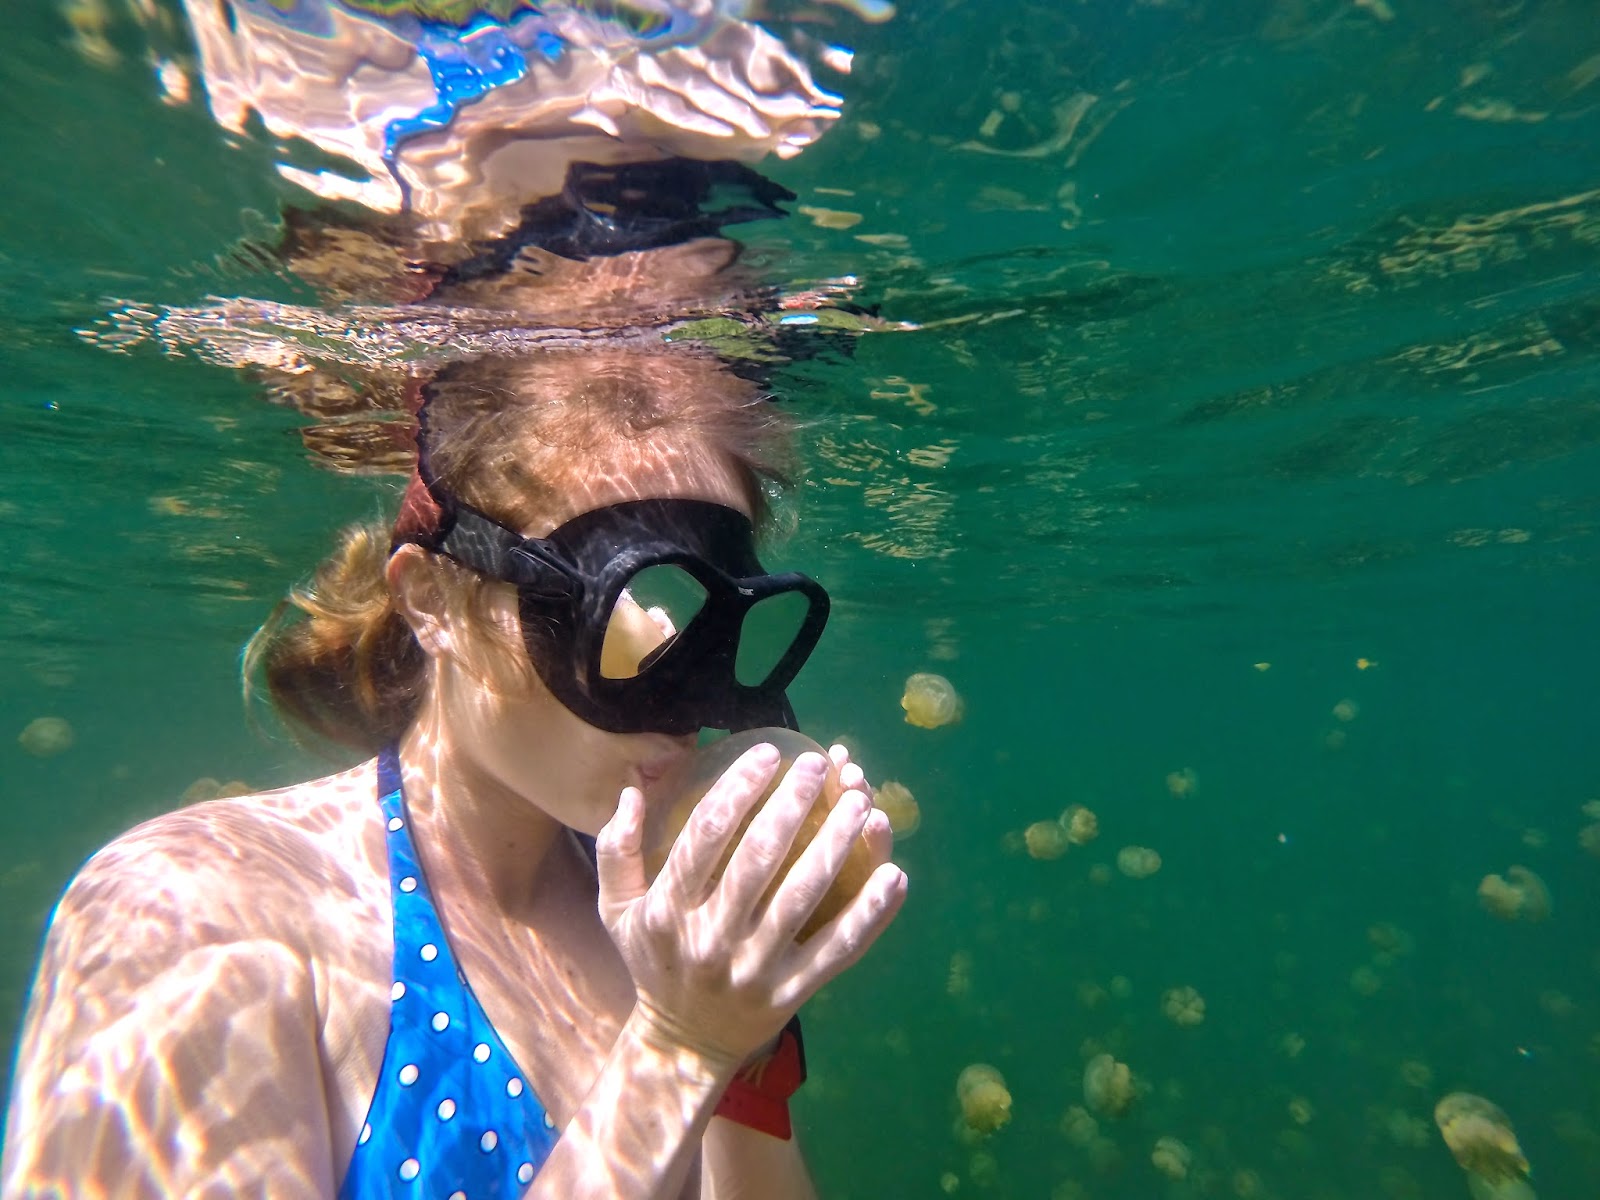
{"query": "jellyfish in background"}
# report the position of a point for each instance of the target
(1078, 1127)
(1346, 710)
(1591, 809)
(1082, 826)
(931, 701)
(1138, 862)
(1485, 1146)
(1171, 1157)
(1589, 838)
(1108, 1087)
(1300, 1110)
(1046, 840)
(1182, 783)
(985, 1101)
(1183, 1006)
(900, 806)
(45, 737)
(1520, 896)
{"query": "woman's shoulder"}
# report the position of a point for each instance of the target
(250, 865)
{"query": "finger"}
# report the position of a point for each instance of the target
(619, 856)
(813, 873)
(851, 776)
(839, 754)
(840, 943)
(663, 620)
(714, 821)
(878, 836)
(765, 844)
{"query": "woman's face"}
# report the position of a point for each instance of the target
(526, 739)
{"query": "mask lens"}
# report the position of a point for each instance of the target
(769, 629)
(658, 603)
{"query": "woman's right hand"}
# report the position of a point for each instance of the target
(716, 972)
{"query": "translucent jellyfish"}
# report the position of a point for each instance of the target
(1300, 1110)
(1416, 1073)
(959, 981)
(1366, 981)
(1291, 1045)
(1100, 874)
(674, 797)
(1346, 710)
(1171, 1157)
(1591, 809)
(1078, 1127)
(46, 736)
(1520, 896)
(1046, 839)
(1105, 1156)
(985, 1102)
(1183, 1006)
(1082, 826)
(1481, 1138)
(1121, 987)
(1138, 862)
(1182, 783)
(931, 701)
(983, 1169)
(1589, 838)
(900, 806)
(949, 1183)
(1108, 1087)
(1406, 1129)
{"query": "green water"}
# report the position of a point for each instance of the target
(1287, 352)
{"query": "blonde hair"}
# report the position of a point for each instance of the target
(512, 437)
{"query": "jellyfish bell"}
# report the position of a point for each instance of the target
(900, 806)
(1589, 839)
(1082, 826)
(1138, 862)
(931, 701)
(45, 737)
(1078, 1127)
(672, 799)
(1183, 1006)
(1108, 1086)
(1171, 1157)
(1520, 896)
(1045, 840)
(985, 1101)
(1480, 1137)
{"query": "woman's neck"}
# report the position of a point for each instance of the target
(477, 836)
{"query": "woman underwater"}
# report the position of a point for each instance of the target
(412, 978)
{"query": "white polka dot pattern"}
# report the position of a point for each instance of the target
(450, 1096)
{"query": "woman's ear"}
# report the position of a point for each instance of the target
(419, 597)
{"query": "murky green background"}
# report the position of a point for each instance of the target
(1273, 336)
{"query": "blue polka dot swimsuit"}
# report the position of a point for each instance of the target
(453, 1117)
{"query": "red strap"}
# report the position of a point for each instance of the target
(759, 1094)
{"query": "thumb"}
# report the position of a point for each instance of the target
(619, 856)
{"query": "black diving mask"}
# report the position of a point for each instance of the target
(652, 615)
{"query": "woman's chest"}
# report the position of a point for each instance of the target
(554, 993)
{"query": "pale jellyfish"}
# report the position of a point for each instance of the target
(1078, 1127)
(46, 736)
(1183, 1006)
(1591, 809)
(1171, 1157)
(1100, 874)
(1366, 981)
(1520, 896)
(900, 806)
(931, 701)
(1300, 1110)
(1082, 826)
(1138, 862)
(1182, 783)
(1484, 1144)
(985, 1102)
(1589, 839)
(1046, 839)
(1346, 710)
(1108, 1086)
(1416, 1073)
